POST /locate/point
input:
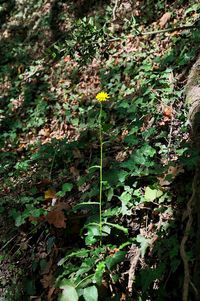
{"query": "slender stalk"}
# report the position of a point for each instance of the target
(100, 173)
(52, 163)
(184, 27)
(88, 277)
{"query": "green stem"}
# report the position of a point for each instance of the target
(89, 276)
(52, 163)
(100, 174)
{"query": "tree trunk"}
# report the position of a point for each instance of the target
(193, 102)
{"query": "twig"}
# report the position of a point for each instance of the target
(170, 133)
(52, 163)
(114, 10)
(183, 253)
(194, 288)
(134, 258)
(156, 32)
(8, 242)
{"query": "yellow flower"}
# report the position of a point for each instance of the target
(102, 96)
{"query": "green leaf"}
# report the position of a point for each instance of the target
(152, 194)
(111, 212)
(85, 204)
(94, 166)
(110, 194)
(121, 228)
(69, 293)
(100, 269)
(144, 243)
(66, 187)
(125, 197)
(122, 174)
(92, 234)
(106, 230)
(111, 261)
(79, 253)
(90, 293)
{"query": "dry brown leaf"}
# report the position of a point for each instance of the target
(172, 171)
(164, 19)
(67, 59)
(77, 154)
(56, 218)
(44, 132)
(62, 205)
(123, 297)
(167, 112)
(49, 194)
(50, 293)
(121, 156)
(74, 171)
(47, 280)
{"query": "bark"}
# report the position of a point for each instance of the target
(193, 102)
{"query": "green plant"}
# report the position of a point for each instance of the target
(97, 262)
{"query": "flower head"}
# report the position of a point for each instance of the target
(102, 96)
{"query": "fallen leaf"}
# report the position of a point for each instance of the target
(47, 280)
(170, 175)
(123, 297)
(50, 293)
(167, 112)
(56, 218)
(67, 59)
(77, 154)
(44, 132)
(74, 171)
(49, 194)
(164, 19)
(36, 219)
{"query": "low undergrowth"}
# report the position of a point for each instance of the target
(94, 184)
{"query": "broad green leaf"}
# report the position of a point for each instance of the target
(122, 174)
(85, 267)
(92, 234)
(131, 140)
(90, 293)
(111, 261)
(125, 210)
(106, 230)
(110, 194)
(152, 194)
(66, 187)
(20, 219)
(144, 244)
(69, 293)
(125, 197)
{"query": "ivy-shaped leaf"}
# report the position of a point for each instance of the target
(144, 244)
(90, 293)
(69, 293)
(111, 261)
(152, 194)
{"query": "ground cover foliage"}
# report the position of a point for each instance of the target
(67, 234)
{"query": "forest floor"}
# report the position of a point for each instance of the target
(56, 57)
